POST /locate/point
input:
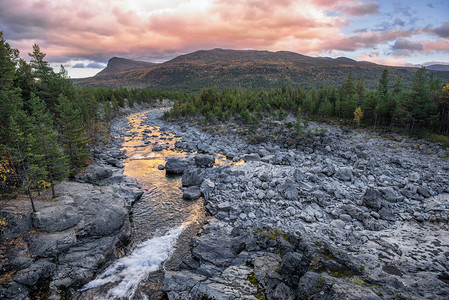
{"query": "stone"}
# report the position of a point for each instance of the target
(344, 174)
(338, 224)
(251, 157)
(291, 211)
(94, 174)
(31, 275)
(292, 267)
(289, 190)
(55, 218)
(192, 177)
(215, 248)
(345, 217)
(51, 244)
(389, 194)
(372, 198)
(204, 161)
(18, 224)
(175, 166)
(192, 193)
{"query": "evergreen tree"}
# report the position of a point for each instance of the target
(20, 155)
(43, 146)
(418, 105)
(73, 139)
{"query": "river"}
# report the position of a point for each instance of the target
(162, 222)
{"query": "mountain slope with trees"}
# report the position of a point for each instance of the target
(248, 69)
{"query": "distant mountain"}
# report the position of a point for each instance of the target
(438, 67)
(118, 65)
(242, 68)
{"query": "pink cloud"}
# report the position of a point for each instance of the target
(136, 29)
(360, 9)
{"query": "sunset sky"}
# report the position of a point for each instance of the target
(83, 35)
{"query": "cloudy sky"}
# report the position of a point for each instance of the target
(84, 34)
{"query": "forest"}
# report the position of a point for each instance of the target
(421, 108)
(48, 126)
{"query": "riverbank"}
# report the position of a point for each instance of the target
(344, 214)
(51, 253)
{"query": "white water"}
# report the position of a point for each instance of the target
(130, 270)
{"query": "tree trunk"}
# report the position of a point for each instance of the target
(31, 199)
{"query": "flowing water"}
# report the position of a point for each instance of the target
(162, 222)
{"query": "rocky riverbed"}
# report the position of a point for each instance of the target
(344, 215)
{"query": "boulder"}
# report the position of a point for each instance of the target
(175, 166)
(204, 161)
(192, 177)
(372, 198)
(344, 174)
(251, 157)
(94, 174)
(192, 193)
(289, 190)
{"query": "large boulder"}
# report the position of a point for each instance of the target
(192, 177)
(204, 161)
(372, 199)
(175, 166)
(94, 174)
(192, 193)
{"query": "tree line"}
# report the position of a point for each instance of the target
(424, 106)
(47, 126)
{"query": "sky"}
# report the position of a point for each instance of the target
(82, 35)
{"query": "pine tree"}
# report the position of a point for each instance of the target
(72, 137)
(20, 155)
(419, 105)
(43, 145)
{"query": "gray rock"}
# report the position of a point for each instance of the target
(55, 218)
(31, 275)
(372, 198)
(344, 174)
(293, 266)
(282, 292)
(14, 291)
(291, 211)
(18, 224)
(251, 157)
(338, 224)
(107, 220)
(175, 166)
(215, 248)
(389, 194)
(94, 174)
(345, 217)
(192, 177)
(192, 193)
(204, 161)
(289, 190)
(50, 245)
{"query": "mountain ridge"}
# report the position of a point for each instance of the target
(242, 68)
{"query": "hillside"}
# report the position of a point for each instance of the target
(243, 68)
(118, 65)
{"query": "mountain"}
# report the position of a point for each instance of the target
(118, 65)
(243, 68)
(438, 67)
